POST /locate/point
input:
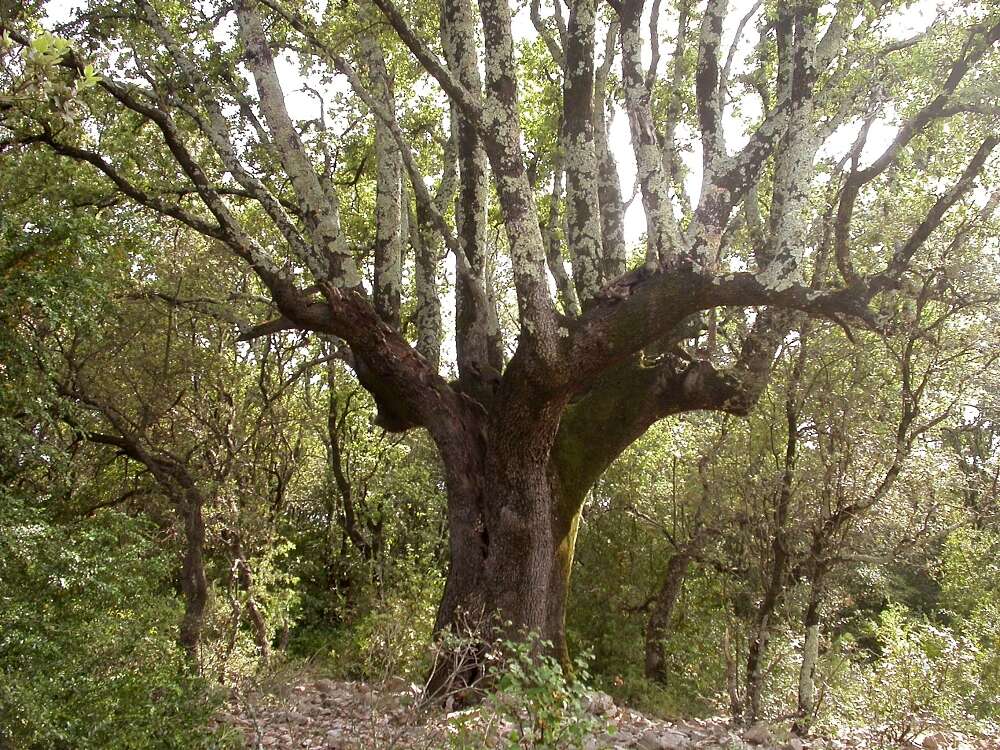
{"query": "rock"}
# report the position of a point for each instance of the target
(601, 704)
(758, 735)
(397, 685)
(795, 744)
(666, 740)
(620, 739)
(674, 740)
(325, 686)
(334, 740)
(388, 703)
(931, 742)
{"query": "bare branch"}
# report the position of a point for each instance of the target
(319, 208)
(467, 101)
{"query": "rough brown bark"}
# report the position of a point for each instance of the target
(194, 584)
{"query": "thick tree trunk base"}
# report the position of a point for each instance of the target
(484, 606)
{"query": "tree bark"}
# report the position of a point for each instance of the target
(194, 584)
(658, 625)
(583, 234)
(510, 568)
(512, 530)
(810, 651)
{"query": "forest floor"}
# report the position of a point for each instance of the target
(334, 715)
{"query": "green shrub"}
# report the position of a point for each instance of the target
(970, 584)
(389, 637)
(87, 639)
(532, 703)
(924, 677)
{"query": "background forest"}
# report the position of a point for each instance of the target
(188, 512)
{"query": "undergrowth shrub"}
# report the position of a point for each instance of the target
(532, 702)
(88, 642)
(924, 677)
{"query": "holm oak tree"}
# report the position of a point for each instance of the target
(792, 159)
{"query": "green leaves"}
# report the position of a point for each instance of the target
(532, 702)
(87, 639)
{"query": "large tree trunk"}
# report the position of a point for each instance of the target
(512, 532)
(517, 478)
(509, 573)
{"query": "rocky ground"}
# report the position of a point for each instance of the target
(328, 715)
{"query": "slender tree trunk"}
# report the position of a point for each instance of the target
(244, 577)
(658, 624)
(194, 584)
(760, 634)
(188, 502)
(730, 650)
(609, 191)
(810, 651)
